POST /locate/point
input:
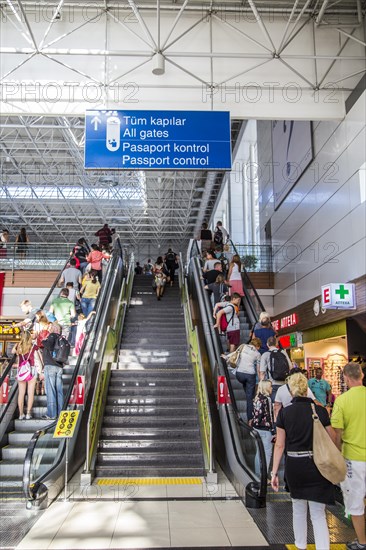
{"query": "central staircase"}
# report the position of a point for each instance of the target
(150, 426)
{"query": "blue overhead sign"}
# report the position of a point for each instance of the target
(157, 140)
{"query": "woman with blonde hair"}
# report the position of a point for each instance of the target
(234, 276)
(25, 351)
(263, 419)
(304, 481)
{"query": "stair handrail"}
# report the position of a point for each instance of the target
(100, 389)
(192, 334)
(222, 365)
(247, 296)
(102, 300)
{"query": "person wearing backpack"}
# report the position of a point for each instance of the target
(275, 366)
(229, 310)
(171, 262)
(220, 235)
(53, 373)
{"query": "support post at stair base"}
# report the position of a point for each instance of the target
(211, 477)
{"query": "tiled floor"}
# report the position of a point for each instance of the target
(162, 517)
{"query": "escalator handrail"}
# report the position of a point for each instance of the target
(124, 299)
(32, 445)
(249, 283)
(217, 346)
(14, 356)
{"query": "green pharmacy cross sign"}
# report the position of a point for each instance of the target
(339, 296)
(342, 292)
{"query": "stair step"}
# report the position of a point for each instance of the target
(149, 422)
(15, 468)
(140, 363)
(150, 411)
(31, 425)
(154, 376)
(14, 453)
(144, 459)
(143, 471)
(19, 438)
(148, 445)
(151, 432)
(11, 482)
(154, 400)
(132, 391)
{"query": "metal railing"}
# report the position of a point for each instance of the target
(254, 257)
(35, 256)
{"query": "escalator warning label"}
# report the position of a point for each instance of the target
(66, 424)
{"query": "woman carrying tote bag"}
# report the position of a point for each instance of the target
(305, 483)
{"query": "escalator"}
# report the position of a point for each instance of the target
(15, 434)
(44, 466)
(241, 455)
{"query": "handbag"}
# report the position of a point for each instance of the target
(327, 457)
(233, 358)
(24, 373)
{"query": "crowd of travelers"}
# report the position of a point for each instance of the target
(162, 271)
(48, 337)
(282, 405)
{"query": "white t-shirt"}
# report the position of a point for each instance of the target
(235, 273)
(284, 396)
(209, 264)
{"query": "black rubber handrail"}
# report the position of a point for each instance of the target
(248, 283)
(14, 356)
(103, 299)
(217, 347)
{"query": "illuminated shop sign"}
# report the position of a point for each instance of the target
(338, 296)
(286, 322)
(8, 330)
(293, 340)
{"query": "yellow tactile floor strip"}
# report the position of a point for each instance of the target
(312, 547)
(149, 481)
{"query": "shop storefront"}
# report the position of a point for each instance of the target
(326, 347)
(9, 335)
(318, 336)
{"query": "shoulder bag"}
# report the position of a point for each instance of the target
(327, 457)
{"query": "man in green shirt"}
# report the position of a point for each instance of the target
(349, 422)
(64, 310)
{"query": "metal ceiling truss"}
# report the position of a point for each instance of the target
(208, 47)
(45, 188)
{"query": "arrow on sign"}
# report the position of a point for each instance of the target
(96, 120)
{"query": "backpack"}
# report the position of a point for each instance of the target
(279, 367)
(224, 263)
(170, 258)
(223, 320)
(218, 236)
(61, 350)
